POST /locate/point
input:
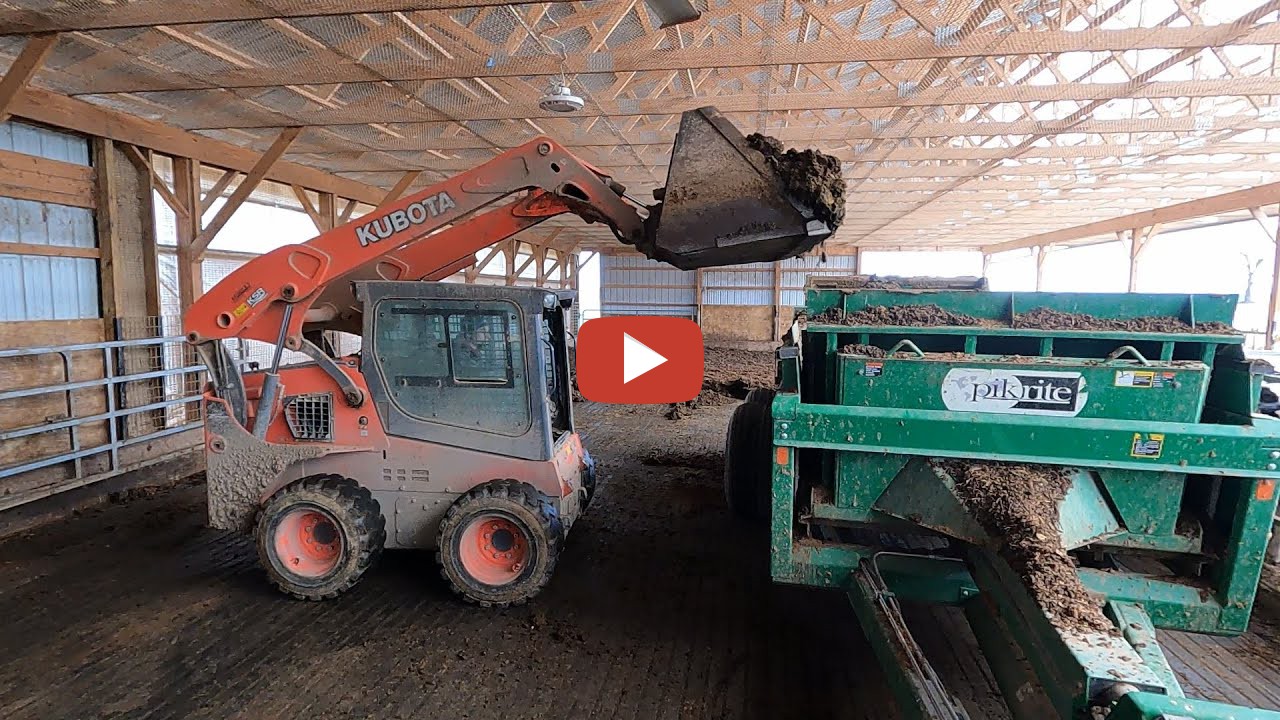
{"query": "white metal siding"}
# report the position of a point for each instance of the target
(738, 285)
(632, 285)
(639, 286)
(38, 287)
(796, 273)
(42, 142)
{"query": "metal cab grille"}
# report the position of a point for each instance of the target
(310, 417)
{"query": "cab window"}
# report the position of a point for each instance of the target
(454, 362)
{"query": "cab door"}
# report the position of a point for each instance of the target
(457, 372)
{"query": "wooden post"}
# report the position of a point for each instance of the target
(109, 271)
(512, 246)
(777, 296)
(186, 191)
(540, 261)
(1275, 290)
(697, 295)
(857, 261)
(1042, 252)
(986, 264)
(328, 211)
(1135, 254)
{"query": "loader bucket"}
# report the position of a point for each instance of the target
(731, 200)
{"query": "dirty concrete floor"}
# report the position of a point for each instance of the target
(660, 608)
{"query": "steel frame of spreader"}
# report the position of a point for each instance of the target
(862, 450)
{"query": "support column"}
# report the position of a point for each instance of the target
(540, 263)
(777, 296)
(125, 220)
(1274, 300)
(186, 191)
(986, 264)
(697, 295)
(1139, 239)
(1042, 253)
(328, 211)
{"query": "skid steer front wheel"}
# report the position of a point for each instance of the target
(499, 543)
(318, 536)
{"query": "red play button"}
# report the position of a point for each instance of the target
(639, 359)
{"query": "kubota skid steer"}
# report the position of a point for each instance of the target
(453, 427)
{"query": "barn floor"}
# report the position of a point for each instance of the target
(661, 608)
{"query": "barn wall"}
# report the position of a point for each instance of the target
(77, 263)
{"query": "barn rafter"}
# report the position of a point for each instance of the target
(960, 124)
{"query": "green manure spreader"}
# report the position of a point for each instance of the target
(1072, 470)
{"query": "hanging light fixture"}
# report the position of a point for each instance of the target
(560, 98)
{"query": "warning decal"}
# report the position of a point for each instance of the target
(1147, 445)
(1135, 378)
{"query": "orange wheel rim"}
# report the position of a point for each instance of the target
(493, 550)
(308, 542)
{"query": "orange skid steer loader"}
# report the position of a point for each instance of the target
(452, 429)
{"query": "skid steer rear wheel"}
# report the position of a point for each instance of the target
(318, 536)
(747, 467)
(499, 543)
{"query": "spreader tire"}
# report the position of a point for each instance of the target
(319, 535)
(747, 470)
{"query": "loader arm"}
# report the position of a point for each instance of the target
(431, 258)
(267, 298)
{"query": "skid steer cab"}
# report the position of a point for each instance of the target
(451, 429)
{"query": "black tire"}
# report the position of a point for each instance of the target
(761, 396)
(349, 509)
(533, 529)
(747, 469)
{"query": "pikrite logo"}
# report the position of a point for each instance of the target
(1022, 392)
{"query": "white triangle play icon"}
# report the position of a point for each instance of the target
(637, 358)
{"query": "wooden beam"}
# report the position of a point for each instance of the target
(111, 275)
(777, 297)
(326, 206)
(1260, 217)
(1138, 240)
(1227, 202)
(642, 57)
(1042, 254)
(186, 192)
(749, 101)
(308, 208)
(540, 270)
(28, 177)
(9, 248)
(347, 210)
(24, 68)
(400, 187)
(245, 188)
(64, 112)
(142, 161)
(216, 191)
(149, 13)
(1274, 300)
